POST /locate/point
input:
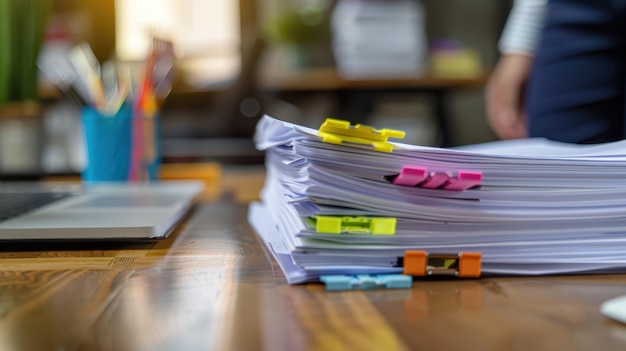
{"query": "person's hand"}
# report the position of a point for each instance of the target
(505, 96)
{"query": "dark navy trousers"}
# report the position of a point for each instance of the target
(577, 88)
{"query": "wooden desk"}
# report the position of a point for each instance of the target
(212, 286)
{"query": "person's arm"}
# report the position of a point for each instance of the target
(505, 89)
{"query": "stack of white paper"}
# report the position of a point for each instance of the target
(379, 38)
(543, 207)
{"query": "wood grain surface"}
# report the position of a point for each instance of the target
(212, 286)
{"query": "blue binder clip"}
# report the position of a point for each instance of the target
(366, 282)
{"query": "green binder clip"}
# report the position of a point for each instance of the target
(336, 131)
(355, 225)
(366, 282)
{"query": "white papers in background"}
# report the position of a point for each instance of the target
(544, 207)
(379, 38)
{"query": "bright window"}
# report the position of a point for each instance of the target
(205, 33)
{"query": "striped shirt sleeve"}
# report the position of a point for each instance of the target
(523, 27)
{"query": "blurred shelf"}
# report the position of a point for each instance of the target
(327, 78)
(316, 79)
(21, 109)
(358, 96)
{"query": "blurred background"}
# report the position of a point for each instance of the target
(418, 66)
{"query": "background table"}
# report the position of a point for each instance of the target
(358, 96)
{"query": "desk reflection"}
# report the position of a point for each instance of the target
(213, 286)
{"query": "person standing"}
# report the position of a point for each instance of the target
(562, 73)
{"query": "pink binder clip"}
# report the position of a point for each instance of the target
(464, 180)
(410, 176)
(435, 180)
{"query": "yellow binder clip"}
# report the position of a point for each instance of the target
(355, 225)
(336, 131)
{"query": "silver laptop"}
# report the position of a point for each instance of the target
(100, 211)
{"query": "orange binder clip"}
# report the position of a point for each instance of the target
(421, 263)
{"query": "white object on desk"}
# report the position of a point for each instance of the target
(615, 308)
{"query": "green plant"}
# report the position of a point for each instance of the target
(22, 26)
(5, 50)
(305, 26)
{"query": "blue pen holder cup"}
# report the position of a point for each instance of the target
(110, 142)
